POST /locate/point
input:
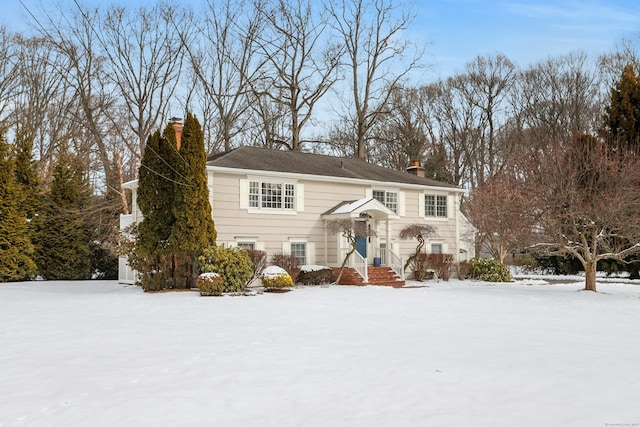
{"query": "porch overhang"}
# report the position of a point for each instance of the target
(358, 208)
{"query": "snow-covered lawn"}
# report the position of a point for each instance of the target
(450, 354)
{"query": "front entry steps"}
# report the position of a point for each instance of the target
(378, 276)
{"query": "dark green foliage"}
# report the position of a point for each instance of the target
(156, 194)
(622, 118)
(210, 284)
(315, 277)
(16, 250)
(26, 174)
(558, 265)
(104, 261)
(193, 229)
(65, 231)
(489, 270)
(233, 264)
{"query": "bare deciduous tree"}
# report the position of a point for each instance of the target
(500, 211)
(586, 201)
(222, 59)
(300, 62)
(145, 61)
(420, 232)
(377, 59)
(490, 80)
(8, 73)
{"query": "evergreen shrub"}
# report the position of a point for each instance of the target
(314, 276)
(275, 278)
(210, 284)
(489, 270)
(232, 264)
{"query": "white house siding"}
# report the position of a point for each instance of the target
(273, 232)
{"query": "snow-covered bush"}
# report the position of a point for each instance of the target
(314, 275)
(276, 278)
(489, 270)
(232, 264)
(289, 263)
(210, 284)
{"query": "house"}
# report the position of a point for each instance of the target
(282, 202)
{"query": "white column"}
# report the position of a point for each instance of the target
(387, 247)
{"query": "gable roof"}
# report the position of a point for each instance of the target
(264, 159)
(353, 208)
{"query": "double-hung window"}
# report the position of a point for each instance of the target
(299, 250)
(435, 205)
(272, 195)
(387, 198)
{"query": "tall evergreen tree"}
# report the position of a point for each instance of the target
(622, 117)
(26, 173)
(622, 125)
(64, 238)
(16, 250)
(194, 229)
(156, 193)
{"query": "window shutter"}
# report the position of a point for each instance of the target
(260, 246)
(368, 193)
(402, 210)
(300, 197)
(311, 253)
(286, 248)
(244, 194)
(421, 205)
(450, 203)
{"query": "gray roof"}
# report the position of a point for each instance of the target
(263, 159)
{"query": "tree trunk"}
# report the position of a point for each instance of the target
(344, 264)
(590, 276)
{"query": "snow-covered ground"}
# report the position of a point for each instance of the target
(449, 354)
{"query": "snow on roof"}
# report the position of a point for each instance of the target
(352, 206)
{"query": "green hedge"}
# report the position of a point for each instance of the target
(233, 264)
(489, 270)
(210, 284)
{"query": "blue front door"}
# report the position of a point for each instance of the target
(361, 245)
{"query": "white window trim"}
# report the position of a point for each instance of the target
(298, 196)
(445, 246)
(400, 197)
(422, 207)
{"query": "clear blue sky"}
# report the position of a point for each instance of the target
(525, 31)
(459, 30)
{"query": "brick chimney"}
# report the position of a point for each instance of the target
(177, 124)
(416, 169)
